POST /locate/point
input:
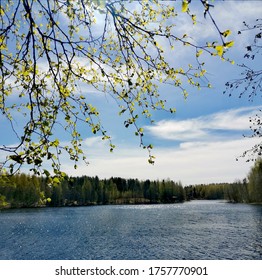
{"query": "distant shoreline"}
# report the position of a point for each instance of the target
(26, 191)
(130, 203)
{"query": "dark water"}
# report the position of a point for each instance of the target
(194, 230)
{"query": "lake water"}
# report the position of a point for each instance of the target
(192, 230)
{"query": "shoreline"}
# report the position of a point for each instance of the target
(72, 205)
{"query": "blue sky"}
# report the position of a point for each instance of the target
(200, 142)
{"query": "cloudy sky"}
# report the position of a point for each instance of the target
(201, 141)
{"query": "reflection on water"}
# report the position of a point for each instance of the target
(193, 230)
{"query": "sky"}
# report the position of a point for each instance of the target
(201, 141)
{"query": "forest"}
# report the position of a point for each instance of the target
(22, 190)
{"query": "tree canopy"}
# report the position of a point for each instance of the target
(52, 52)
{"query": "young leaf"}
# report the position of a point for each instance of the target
(226, 33)
(229, 44)
(185, 6)
(46, 172)
(220, 50)
(199, 53)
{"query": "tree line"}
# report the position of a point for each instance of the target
(22, 190)
(247, 191)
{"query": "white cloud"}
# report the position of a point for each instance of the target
(94, 141)
(201, 157)
(204, 128)
(192, 163)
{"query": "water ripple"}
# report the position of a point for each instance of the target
(194, 230)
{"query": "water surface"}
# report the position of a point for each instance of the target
(193, 230)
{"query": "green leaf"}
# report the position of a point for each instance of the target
(194, 18)
(229, 44)
(17, 158)
(56, 180)
(38, 161)
(47, 173)
(226, 33)
(56, 143)
(199, 53)
(185, 6)
(151, 159)
(220, 50)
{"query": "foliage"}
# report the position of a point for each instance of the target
(250, 83)
(256, 128)
(206, 191)
(237, 192)
(255, 182)
(3, 202)
(248, 191)
(53, 52)
(23, 190)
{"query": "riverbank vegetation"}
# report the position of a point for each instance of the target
(22, 190)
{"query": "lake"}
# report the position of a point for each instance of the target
(194, 230)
